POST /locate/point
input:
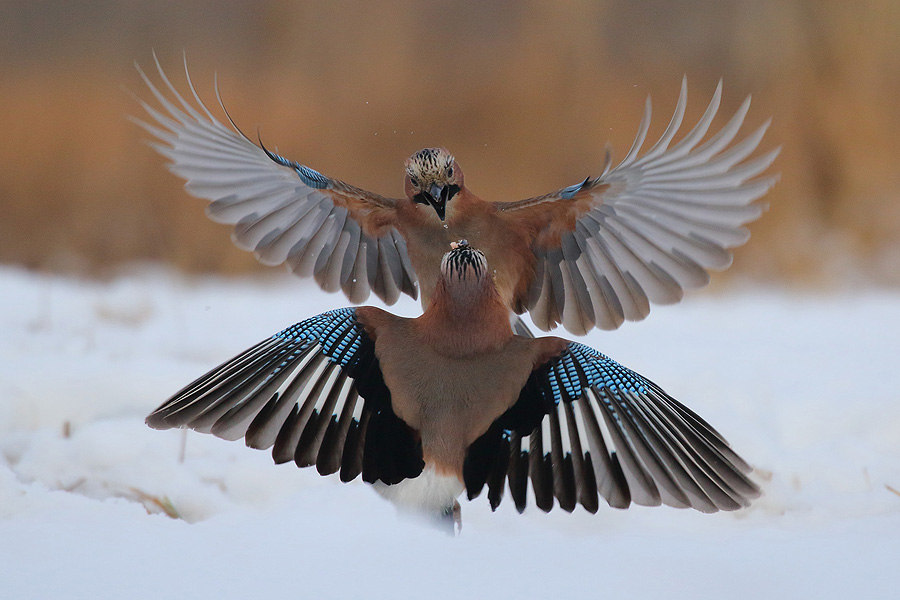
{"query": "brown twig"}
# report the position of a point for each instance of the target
(162, 503)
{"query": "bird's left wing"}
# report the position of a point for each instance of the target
(282, 211)
(585, 427)
(314, 393)
(645, 230)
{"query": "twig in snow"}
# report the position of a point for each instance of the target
(162, 503)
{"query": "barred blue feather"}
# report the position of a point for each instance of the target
(580, 367)
(337, 331)
(309, 176)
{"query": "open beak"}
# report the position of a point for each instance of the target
(438, 199)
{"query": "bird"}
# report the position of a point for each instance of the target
(592, 254)
(454, 401)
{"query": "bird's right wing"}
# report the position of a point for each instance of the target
(585, 426)
(282, 211)
(314, 393)
(644, 231)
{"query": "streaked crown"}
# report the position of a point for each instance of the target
(461, 258)
(430, 166)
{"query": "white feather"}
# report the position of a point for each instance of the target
(428, 493)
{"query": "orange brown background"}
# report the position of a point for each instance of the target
(525, 94)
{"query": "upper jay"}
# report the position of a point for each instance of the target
(453, 400)
(588, 255)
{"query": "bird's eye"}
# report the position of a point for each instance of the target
(449, 171)
(414, 181)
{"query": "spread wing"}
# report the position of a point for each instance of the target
(647, 229)
(586, 427)
(314, 393)
(282, 211)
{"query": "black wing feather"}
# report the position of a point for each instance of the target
(597, 429)
(299, 393)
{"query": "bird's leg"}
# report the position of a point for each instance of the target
(182, 451)
(451, 519)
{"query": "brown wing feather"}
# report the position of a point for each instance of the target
(376, 214)
(551, 215)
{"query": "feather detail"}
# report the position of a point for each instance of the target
(314, 393)
(590, 427)
(652, 226)
(282, 211)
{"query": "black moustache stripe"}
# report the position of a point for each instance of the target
(450, 191)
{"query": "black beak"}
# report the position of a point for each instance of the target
(438, 199)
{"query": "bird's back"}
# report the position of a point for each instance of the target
(449, 395)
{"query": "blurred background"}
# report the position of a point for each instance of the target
(525, 94)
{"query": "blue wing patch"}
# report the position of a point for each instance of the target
(569, 192)
(337, 331)
(580, 366)
(310, 177)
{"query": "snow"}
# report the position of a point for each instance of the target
(803, 385)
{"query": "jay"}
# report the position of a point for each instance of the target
(592, 254)
(426, 408)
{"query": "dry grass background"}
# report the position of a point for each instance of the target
(524, 93)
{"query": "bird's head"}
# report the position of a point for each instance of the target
(464, 263)
(433, 178)
(466, 312)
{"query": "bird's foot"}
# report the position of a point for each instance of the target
(451, 519)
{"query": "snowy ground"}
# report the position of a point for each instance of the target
(805, 388)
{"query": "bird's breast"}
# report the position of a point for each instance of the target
(508, 251)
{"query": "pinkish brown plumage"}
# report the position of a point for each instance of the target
(436, 365)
